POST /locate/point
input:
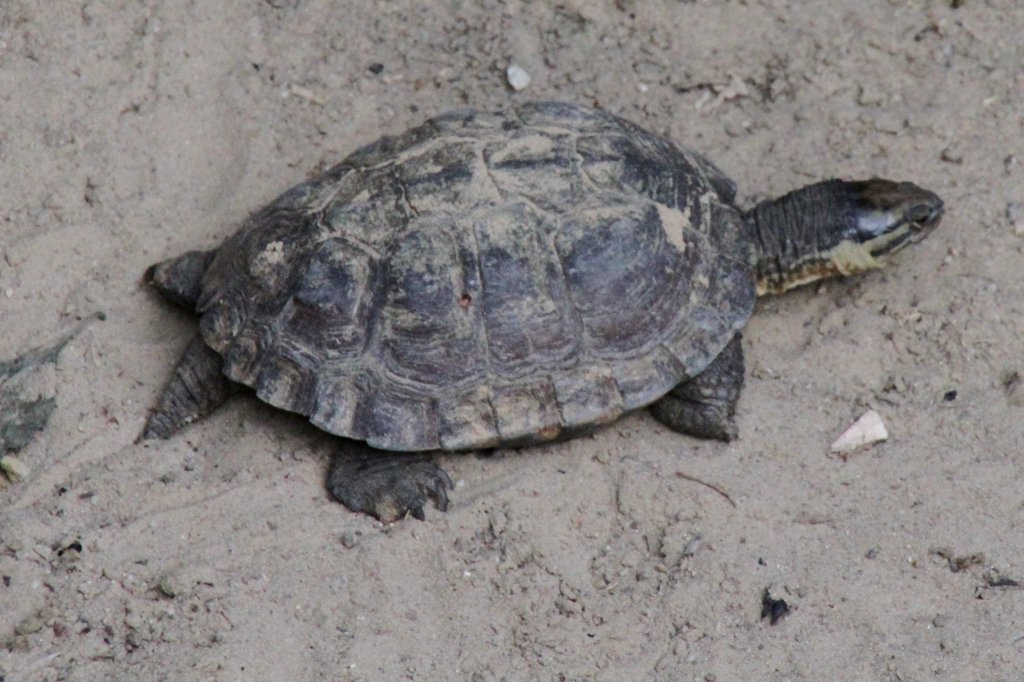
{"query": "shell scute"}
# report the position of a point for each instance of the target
(527, 412)
(467, 420)
(589, 397)
(394, 419)
(335, 403)
(523, 301)
(625, 276)
(426, 335)
(332, 303)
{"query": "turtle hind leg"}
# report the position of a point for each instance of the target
(196, 389)
(180, 279)
(705, 406)
(386, 485)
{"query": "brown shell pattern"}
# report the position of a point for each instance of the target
(484, 279)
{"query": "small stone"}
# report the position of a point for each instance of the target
(1015, 214)
(349, 539)
(773, 609)
(832, 322)
(169, 586)
(888, 122)
(693, 546)
(567, 607)
(631, 559)
(306, 94)
(940, 621)
(870, 95)
(518, 79)
(33, 623)
(133, 619)
(952, 154)
(735, 89)
(1014, 389)
(867, 430)
(498, 522)
(15, 469)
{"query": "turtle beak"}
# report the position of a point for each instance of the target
(923, 227)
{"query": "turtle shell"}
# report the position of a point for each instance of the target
(484, 279)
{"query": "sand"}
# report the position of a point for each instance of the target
(133, 131)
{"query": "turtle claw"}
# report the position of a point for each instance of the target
(439, 493)
(385, 485)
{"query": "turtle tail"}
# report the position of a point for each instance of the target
(196, 389)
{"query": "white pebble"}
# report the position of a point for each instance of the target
(8, 292)
(15, 469)
(866, 431)
(517, 77)
(306, 94)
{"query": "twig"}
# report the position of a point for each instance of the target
(694, 479)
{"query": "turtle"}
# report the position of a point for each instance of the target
(501, 279)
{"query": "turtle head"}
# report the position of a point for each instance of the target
(889, 215)
(838, 228)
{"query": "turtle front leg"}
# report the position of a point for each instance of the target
(705, 406)
(386, 485)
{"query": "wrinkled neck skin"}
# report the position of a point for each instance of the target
(795, 236)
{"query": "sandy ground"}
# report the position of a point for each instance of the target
(133, 131)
